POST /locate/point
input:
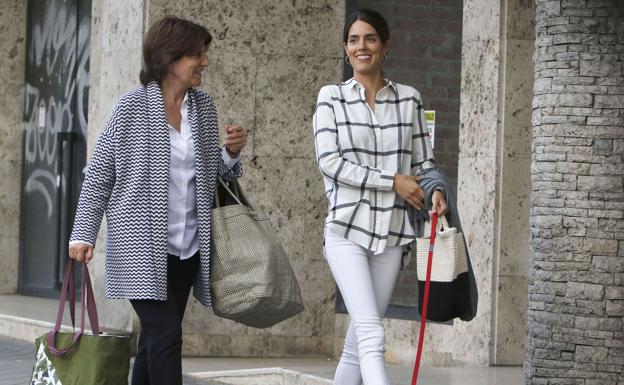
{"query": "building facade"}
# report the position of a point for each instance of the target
(529, 102)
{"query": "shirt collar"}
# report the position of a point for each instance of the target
(352, 84)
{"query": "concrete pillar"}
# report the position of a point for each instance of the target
(12, 65)
(513, 185)
(116, 42)
(493, 182)
(576, 278)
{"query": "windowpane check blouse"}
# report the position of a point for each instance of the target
(359, 151)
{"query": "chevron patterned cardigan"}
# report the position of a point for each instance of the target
(128, 179)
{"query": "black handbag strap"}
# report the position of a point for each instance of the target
(234, 190)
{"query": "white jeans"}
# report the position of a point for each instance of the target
(366, 282)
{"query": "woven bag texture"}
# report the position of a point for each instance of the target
(252, 281)
(449, 254)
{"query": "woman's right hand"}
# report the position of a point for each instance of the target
(81, 252)
(408, 188)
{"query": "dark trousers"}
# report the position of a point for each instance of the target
(159, 357)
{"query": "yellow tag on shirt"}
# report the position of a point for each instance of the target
(430, 122)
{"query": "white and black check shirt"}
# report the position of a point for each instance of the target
(359, 151)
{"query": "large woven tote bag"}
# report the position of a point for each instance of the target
(78, 358)
(251, 279)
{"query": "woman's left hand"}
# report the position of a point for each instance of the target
(235, 139)
(439, 203)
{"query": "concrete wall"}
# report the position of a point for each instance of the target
(12, 65)
(576, 279)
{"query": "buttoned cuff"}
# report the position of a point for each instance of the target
(387, 180)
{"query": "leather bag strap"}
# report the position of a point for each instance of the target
(423, 317)
(88, 305)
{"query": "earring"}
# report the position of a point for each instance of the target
(385, 56)
(346, 59)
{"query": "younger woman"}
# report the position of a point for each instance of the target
(371, 145)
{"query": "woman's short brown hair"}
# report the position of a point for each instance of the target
(167, 40)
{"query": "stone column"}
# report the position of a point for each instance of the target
(514, 185)
(576, 277)
(116, 43)
(12, 65)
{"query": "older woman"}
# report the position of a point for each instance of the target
(153, 173)
(371, 145)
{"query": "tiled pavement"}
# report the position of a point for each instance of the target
(29, 316)
(16, 360)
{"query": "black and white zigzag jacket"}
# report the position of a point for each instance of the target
(128, 179)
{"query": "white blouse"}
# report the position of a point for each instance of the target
(359, 150)
(182, 209)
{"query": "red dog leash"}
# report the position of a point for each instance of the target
(423, 318)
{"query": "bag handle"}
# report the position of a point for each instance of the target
(423, 317)
(442, 223)
(237, 194)
(227, 188)
(88, 304)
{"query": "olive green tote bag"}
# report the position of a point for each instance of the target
(78, 358)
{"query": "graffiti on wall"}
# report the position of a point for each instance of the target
(56, 90)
